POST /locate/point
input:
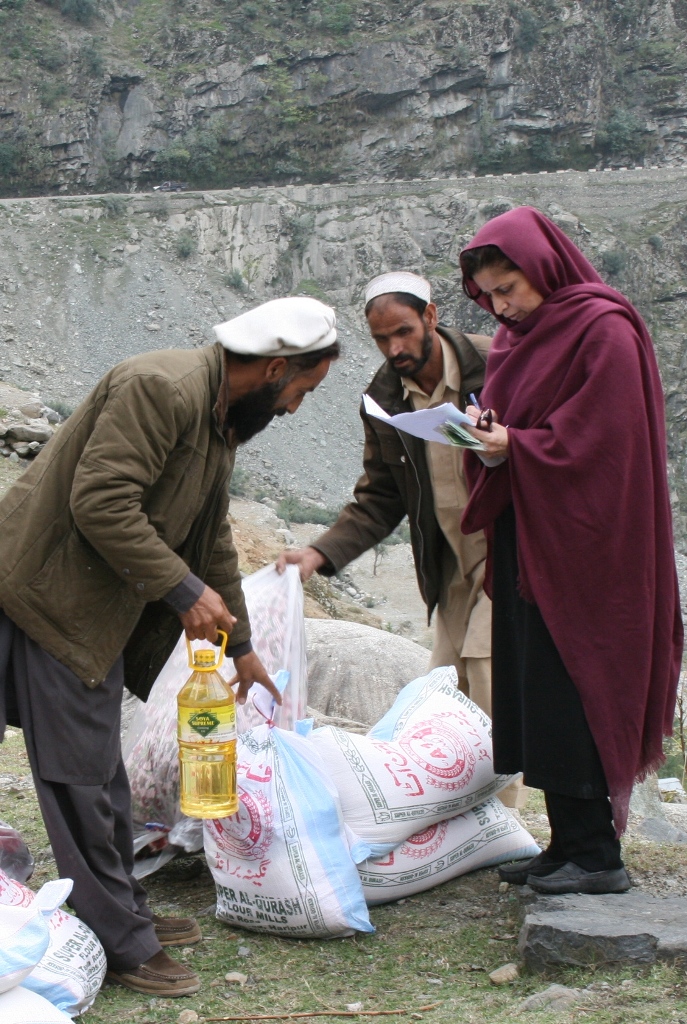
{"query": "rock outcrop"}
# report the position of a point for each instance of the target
(333, 90)
(90, 280)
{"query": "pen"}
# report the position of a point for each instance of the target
(474, 401)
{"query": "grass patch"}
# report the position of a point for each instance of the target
(185, 245)
(454, 934)
(293, 510)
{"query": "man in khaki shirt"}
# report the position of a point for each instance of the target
(462, 625)
(426, 364)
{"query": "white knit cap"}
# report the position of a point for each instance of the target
(400, 281)
(282, 327)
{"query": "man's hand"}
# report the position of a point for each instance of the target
(308, 560)
(206, 616)
(249, 670)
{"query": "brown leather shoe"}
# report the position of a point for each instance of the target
(176, 931)
(159, 976)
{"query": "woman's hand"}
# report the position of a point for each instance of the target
(494, 437)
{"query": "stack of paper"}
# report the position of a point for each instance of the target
(445, 424)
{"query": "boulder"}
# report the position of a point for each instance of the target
(355, 671)
(631, 927)
(34, 430)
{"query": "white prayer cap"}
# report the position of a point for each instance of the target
(401, 281)
(283, 327)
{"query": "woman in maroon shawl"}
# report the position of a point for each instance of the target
(587, 634)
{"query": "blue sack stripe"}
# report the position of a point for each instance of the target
(324, 832)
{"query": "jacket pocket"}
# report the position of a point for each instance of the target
(391, 449)
(80, 595)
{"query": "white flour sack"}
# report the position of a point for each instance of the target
(70, 972)
(19, 1006)
(282, 864)
(478, 838)
(429, 758)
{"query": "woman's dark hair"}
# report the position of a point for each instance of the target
(298, 364)
(474, 260)
(403, 298)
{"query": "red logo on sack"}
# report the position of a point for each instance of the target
(424, 844)
(441, 751)
(249, 832)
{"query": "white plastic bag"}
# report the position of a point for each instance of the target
(71, 970)
(479, 838)
(275, 607)
(20, 1006)
(429, 758)
(282, 865)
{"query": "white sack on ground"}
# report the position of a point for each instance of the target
(282, 865)
(150, 749)
(479, 838)
(19, 1006)
(429, 758)
(71, 971)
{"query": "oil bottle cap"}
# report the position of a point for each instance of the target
(204, 657)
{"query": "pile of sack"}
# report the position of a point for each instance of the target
(330, 821)
(51, 964)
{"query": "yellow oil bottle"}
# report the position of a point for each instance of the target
(207, 738)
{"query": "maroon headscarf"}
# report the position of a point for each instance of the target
(577, 384)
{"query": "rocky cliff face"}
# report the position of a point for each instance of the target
(100, 94)
(90, 280)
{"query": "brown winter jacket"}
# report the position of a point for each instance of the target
(130, 494)
(396, 480)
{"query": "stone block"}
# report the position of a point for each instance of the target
(630, 927)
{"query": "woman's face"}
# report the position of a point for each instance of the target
(511, 294)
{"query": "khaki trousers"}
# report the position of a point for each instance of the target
(462, 638)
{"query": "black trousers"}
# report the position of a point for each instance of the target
(582, 832)
(539, 724)
(72, 741)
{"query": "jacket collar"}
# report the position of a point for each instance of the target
(219, 388)
(386, 386)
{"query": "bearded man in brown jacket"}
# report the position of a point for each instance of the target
(112, 542)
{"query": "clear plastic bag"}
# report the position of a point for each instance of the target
(15, 857)
(275, 607)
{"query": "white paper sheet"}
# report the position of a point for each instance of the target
(427, 423)
(424, 423)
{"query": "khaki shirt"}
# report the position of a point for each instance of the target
(446, 467)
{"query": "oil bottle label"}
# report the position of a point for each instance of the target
(212, 725)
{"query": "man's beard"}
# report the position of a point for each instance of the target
(414, 365)
(248, 415)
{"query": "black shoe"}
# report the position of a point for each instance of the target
(519, 872)
(573, 879)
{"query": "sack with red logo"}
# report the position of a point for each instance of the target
(70, 971)
(429, 758)
(282, 864)
(479, 838)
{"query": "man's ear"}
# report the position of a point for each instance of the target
(431, 316)
(275, 369)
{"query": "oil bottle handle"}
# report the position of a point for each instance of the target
(220, 659)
